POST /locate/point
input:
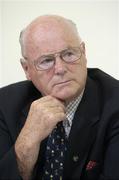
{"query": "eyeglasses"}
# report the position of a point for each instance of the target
(69, 55)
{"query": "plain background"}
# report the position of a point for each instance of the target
(97, 22)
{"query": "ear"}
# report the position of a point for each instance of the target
(25, 67)
(83, 48)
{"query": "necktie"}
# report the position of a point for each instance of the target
(55, 153)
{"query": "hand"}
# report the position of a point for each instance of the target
(43, 116)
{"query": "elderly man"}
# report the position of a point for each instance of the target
(63, 122)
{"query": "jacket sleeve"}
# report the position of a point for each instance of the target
(8, 164)
(111, 157)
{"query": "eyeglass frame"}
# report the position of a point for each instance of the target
(54, 55)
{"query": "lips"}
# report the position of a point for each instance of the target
(62, 82)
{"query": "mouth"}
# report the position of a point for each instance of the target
(62, 83)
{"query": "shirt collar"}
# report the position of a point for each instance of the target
(72, 107)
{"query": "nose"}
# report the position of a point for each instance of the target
(60, 66)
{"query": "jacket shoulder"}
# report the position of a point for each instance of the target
(16, 93)
(108, 88)
(104, 79)
(15, 88)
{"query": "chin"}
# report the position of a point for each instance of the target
(65, 94)
(66, 97)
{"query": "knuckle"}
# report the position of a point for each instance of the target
(50, 116)
(34, 104)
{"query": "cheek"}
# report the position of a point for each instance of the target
(42, 82)
(80, 74)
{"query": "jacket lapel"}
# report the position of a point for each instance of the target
(83, 131)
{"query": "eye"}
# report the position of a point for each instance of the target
(68, 53)
(44, 62)
(47, 60)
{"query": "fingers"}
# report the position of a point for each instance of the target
(43, 116)
(49, 103)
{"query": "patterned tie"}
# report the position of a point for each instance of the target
(55, 153)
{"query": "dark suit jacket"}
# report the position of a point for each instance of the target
(93, 148)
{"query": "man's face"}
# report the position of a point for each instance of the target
(63, 81)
